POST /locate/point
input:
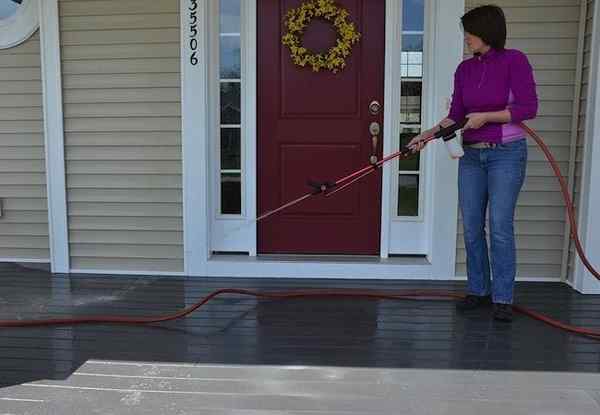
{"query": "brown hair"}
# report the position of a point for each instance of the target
(488, 23)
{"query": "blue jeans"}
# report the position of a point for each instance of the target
(494, 177)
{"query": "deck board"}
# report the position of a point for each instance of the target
(351, 354)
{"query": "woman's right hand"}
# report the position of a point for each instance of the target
(418, 142)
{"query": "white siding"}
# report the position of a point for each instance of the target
(121, 80)
(24, 220)
(547, 31)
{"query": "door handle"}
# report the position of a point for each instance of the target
(374, 129)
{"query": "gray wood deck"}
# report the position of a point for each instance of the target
(244, 356)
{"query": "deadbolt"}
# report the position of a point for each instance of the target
(374, 107)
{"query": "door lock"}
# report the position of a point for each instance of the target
(374, 107)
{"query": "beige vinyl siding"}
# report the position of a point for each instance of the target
(121, 80)
(582, 119)
(24, 220)
(547, 31)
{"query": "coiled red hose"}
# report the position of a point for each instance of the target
(346, 293)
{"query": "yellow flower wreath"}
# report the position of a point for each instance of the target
(298, 19)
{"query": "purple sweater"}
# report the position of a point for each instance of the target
(494, 81)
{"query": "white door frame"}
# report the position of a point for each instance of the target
(197, 154)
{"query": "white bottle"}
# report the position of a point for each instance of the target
(454, 146)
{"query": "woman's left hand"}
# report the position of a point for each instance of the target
(476, 120)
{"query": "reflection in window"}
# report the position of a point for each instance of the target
(411, 65)
(230, 102)
(230, 149)
(411, 164)
(408, 195)
(8, 8)
(412, 42)
(230, 56)
(411, 71)
(413, 15)
(230, 16)
(231, 194)
(410, 103)
(230, 107)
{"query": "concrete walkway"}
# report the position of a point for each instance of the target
(103, 387)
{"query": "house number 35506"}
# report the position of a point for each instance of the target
(193, 32)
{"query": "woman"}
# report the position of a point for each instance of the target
(495, 90)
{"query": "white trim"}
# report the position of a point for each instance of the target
(122, 272)
(520, 279)
(442, 189)
(572, 285)
(18, 28)
(194, 135)
(214, 125)
(54, 135)
(26, 260)
(401, 226)
(575, 124)
(214, 111)
(589, 222)
(250, 268)
(391, 123)
(249, 117)
(235, 233)
(246, 267)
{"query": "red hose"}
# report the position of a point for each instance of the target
(375, 295)
(568, 201)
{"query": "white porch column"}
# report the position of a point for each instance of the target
(54, 135)
(443, 191)
(589, 203)
(194, 131)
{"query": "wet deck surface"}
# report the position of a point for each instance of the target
(239, 354)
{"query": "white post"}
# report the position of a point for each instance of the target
(589, 203)
(54, 136)
(194, 130)
(443, 194)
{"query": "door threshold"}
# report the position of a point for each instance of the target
(323, 259)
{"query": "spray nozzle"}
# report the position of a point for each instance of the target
(448, 134)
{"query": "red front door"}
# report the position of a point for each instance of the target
(315, 125)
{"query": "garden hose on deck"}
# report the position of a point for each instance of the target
(327, 189)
